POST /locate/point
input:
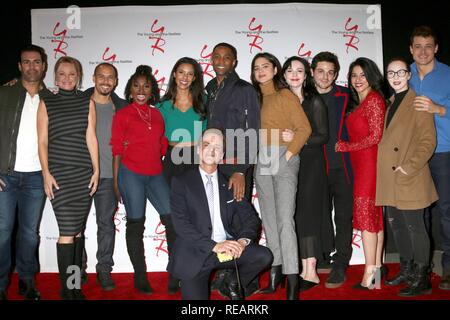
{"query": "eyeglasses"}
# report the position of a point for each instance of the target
(400, 73)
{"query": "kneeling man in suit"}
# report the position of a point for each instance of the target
(202, 209)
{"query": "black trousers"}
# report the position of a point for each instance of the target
(341, 196)
(253, 260)
(410, 234)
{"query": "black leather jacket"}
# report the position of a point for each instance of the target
(11, 105)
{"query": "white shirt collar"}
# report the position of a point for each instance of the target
(203, 174)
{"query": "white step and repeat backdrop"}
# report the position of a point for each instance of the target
(159, 36)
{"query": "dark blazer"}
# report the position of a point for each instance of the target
(192, 222)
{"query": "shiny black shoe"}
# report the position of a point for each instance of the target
(305, 285)
(3, 296)
(220, 277)
(28, 289)
(235, 291)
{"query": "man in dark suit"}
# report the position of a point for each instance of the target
(202, 210)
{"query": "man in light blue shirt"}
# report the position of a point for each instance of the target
(431, 81)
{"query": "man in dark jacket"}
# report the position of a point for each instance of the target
(21, 182)
(203, 208)
(325, 68)
(233, 105)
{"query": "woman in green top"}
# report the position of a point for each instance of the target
(184, 116)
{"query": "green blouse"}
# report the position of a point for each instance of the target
(181, 126)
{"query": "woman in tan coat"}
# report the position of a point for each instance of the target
(404, 183)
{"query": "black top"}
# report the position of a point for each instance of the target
(317, 113)
(334, 159)
(398, 98)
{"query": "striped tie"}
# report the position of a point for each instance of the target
(210, 197)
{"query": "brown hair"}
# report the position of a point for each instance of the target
(75, 63)
(423, 31)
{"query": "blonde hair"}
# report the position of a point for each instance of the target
(75, 63)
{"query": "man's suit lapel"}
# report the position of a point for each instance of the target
(223, 190)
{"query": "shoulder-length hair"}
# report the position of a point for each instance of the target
(197, 88)
(308, 88)
(278, 78)
(143, 71)
(373, 77)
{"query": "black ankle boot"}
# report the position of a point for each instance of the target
(65, 254)
(406, 269)
(78, 261)
(135, 247)
(173, 285)
(292, 287)
(275, 279)
(419, 284)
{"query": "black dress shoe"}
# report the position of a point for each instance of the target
(28, 289)
(306, 285)
(235, 291)
(105, 281)
(3, 296)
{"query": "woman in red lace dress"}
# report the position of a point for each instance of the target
(365, 128)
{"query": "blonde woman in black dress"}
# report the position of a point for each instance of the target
(68, 152)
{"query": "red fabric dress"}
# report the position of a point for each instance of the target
(365, 128)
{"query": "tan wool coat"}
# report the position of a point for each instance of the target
(409, 142)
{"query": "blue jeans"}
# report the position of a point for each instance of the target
(440, 171)
(105, 208)
(135, 189)
(24, 191)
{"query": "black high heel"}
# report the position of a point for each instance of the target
(276, 279)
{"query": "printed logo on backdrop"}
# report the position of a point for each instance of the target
(108, 55)
(59, 34)
(351, 33)
(255, 33)
(161, 81)
(304, 52)
(205, 62)
(157, 37)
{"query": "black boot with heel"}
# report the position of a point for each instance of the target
(406, 270)
(292, 287)
(78, 261)
(135, 247)
(276, 278)
(65, 253)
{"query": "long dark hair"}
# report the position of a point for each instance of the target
(308, 88)
(197, 88)
(373, 77)
(143, 71)
(278, 79)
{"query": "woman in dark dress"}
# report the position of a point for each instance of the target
(68, 152)
(312, 181)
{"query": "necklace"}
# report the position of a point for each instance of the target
(145, 116)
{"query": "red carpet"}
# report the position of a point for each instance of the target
(48, 285)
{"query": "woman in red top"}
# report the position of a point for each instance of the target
(365, 128)
(138, 144)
